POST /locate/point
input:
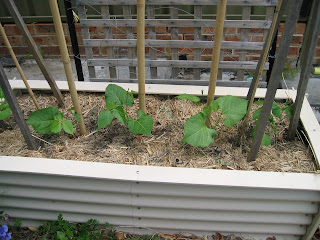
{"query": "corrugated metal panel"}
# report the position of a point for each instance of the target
(89, 190)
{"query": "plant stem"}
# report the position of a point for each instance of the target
(217, 122)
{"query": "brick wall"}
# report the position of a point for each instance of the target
(45, 38)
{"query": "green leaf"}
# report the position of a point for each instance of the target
(77, 116)
(55, 126)
(191, 98)
(233, 108)
(5, 114)
(289, 111)
(41, 119)
(143, 125)
(214, 104)
(61, 236)
(67, 126)
(266, 140)
(206, 110)
(259, 102)
(116, 96)
(196, 132)
(59, 116)
(104, 119)
(257, 114)
(119, 114)
(276, 110)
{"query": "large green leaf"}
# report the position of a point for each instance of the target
(104, 119)
(56, 126)
(276, 110)
(42, 119)
(233, 108)
(5, 114)
(189, 97)
(67, 126)
(119, 114)
(196, 132)
(143, 125)
(266, 140)
(116, 96)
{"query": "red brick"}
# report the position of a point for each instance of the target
(255, 30)
(230, 30)
(14, 41)
(206, 58)
(161, 30)
(78, 28)
(296, 40)
(253, 58)
(45, 28)
(119, 36)
(97, 36)
(12, 29)
(80, 40)
(50, 50)
(231, 58)
(163, 36)
(96, 51)
(208, 30)
(188, 37)
(180, 36)
(190, 57)
(104, 50)
(119, 30)
(300, 28)
(186, 30)
(232, 38)
(185, 51)
(207, 38)
(4, 51)
(257, 39)
(318, 43)
(280, 29)
(136, 31)
(317, 53)
(207, 51)
(21, 51)
(44, 40)
(93, 30)
(82, 50)
(293, 51)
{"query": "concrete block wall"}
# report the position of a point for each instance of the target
(44, 36)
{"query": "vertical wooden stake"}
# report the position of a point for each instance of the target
(221, 13)
(141, 53)
(291, 21)
(13, 56)
(12, 8)
(258, 73)
(309, 44)
(18, 115)
(66, 61)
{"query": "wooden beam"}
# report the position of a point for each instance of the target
(291, 21)
(12, 8)
(310, 40)
(16, 111)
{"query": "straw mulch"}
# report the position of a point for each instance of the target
(115, 144)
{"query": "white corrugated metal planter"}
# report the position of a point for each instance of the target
(143, 199)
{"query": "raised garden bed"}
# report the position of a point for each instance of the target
(253, 203)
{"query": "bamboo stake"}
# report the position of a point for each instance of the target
(14, 58)
(260, 66)
(141, 53)
(66, 61)
(221, 13)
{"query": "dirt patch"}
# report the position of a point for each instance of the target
(115, 144)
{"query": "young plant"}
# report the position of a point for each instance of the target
(274, 119)
(197, 133)
(49, 121)
(117, 100)
(5, 110)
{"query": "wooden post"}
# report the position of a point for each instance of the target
(66, 61)
(221, 13)
(291, 21)
(13, 56)
(141, 53)
(309, 42)
(258, 73)
(15, 109)
(12, 8)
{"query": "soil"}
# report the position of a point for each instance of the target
(115, 144)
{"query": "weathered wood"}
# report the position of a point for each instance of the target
(268, 17)
(173, 43)
(176, 63)
(16, 111)
(66, 62)
(174, 36)
(15, 60)
(175, 23)
(152, 35)
(292, 18)
(196, 82)
(86, 35)
(129, 35)
(310, 39)
(197, 12)
(108, 35)
(179, 2)
(221, 14)
(246, 11)
(12, 8)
